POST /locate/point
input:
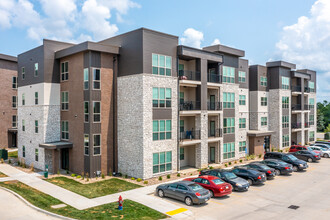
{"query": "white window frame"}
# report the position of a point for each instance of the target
(240, 77)
(242, 123)
(23, 73)
(23, 125)
(14, 121)
(64, 103)
(65, 132)
(241, 100)
(158, 64)
(96, 113)
(86, 142)
(36, 98)
(36, 154)
(285, 121)
(86, 70)
(96, 145)
(14, 84)
(36, 69)
(86, 114)
(36, 126)
(242, 146)
(263, 123)
(23, 99)
(263, 81)
(14, 102)
(63, 73)
(94, 69)
(263, 101)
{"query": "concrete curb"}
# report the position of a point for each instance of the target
(35, 207)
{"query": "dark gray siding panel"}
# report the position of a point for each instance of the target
(96, 59)
(8, 65)
(274, 78)
(86, 163)
(230, 60)
(229, 113)
(228, 138)
(243, 66)
(253, 78)
(160, 113)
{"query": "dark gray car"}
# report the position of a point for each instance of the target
(186, 191)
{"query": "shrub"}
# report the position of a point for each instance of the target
(32, 167)
(78, 177)
(87, 179)
(1, 161)
(178, 175)
(211, 168)
(9, 161)
(229, 163)
(120, 174)
(168, 176)
(241, 161)
(139, 179)
(73, 175)
(226, 165)
(235, 162)
(191, 174)
(58, 172)
(67, 172)
(110, 173)
(281, 151)
(145, 182)
(160, 178)
(259, 155)
(126, 176)
(132, 178)
(102, 176)
(18, 163)
(247, 157)
(83, 175)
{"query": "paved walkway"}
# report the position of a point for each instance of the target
(140, 195)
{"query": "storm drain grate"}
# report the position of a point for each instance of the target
(293, 207)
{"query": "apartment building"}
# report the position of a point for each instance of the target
(8, 101)
(142, 105)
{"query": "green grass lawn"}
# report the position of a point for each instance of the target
(13, 154)
(132, 210)
(3, 175)
(93, 190)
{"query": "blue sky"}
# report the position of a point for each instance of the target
(295, 30)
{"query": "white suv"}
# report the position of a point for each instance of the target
(325, 152)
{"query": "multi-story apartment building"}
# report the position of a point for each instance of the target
(8, 101)
(140, 104)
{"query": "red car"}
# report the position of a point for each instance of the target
(214, 184)
(295, 148)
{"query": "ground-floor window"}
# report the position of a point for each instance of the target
(36, 152)
(162, 162)
(285, 141)
(242, 146)
(97, 144)
(86, 144)
(228, 150)
(181, 153)
(311, 136)
(23, 151)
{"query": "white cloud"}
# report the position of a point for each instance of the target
(216, 41)
(192, 37)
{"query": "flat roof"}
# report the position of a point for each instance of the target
(281, 63)
(198, 53)
(225, 49)
(56, 145)
(257, 133)
(8, 58)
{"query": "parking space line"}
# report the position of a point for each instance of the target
(235, 195)
(176, 211)
(217, 202)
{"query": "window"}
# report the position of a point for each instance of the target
(263, 101)
(162, 129)
(285, 121)
(162, 162)
(97, 144)
(14, 86)
(181, 125)
(86, 144)
(311, 86)
(36, 153)
(228, 100)
(86, 79)
(242, 146)
(65, 101)
(23, 73)
(65, 130)
(241, 76)
(242, 100)
(285, 102)
(36, 126)
(228, 74)
(36, 67)
(23, 99)
(161, 65)
(14, 121)
(285, 82)
(311, 103)
(23, 125)
(181, 97)
(161, 97)
(23, 151)
(97, 111)
(228, 150)
(181, 153)
(64, 71)
(36, 100)
(263, 81)
(242, 123)
(229, 125)
(96, 79)
(86, 111)
(14, 102)
(311, 136)
(285, 141)
(311, 119)
(263, 121)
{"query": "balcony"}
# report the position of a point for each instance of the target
(296, 107)
(296, 88)
(311, 123)
(296, 125)
(213, 78)
(189, 75)
(190, 106)
(215, 133)
(190, 135)
(311, 106)
(214, 106)
(307, 107)
(307, 90)
(307, 124)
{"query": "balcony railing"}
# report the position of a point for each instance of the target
(311, 123)
(189, 75)
(296, 88)
(307, 107)
(214, 78)
(190, 106)
(296, 107)
(190, 135)
(307, 90)
(311, 139)
(214, 106)
(215, 133)
(307, 125)
(311, 106)
(296, 125)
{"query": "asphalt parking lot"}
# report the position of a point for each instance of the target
(310, 190)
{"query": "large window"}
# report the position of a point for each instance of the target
(181, 153)
(97, 111)
(65, 101)
(229, 125)
(162, 162)
(86, 79)
(162, 130)
(23, 99)
(181, 125)
(242, 100)
(285, 82)
(161, 65)
(285, 141)
(241, 76)
(23, 150)
(23, 73)
(36, 98)
(263, 121)
(242, 123)
(96, 79)
(242, 146)
(14, 85)
(64, 71)
(263, 101)
(65, 130)
(161, 97)
(36, 126)
(86, 144)
(263, 81)
(86, 111)
(229, 150)
(311, 86)
(228, 100)
(311, 103)
(23, 125)
(311, 136)
(97, 144)
(36, 68)
(36, 154)
(14, 101)
(14, 121)
(285, 102)
(311, 119)
(285, 121)
(228, 74)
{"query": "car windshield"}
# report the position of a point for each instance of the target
(230, 175)
(264, 166)
(309, 148)
(195, 187)
(217, 181)
(282, 163)
(291, 157)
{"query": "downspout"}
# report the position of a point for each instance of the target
(114, 109)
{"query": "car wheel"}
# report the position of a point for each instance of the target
(250, 182)
(295, 168)
(277, 172)
(310, 160)
(161, 193)
(211, 193)
(326, 155)
(188, 201)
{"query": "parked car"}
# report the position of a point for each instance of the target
(186, 191)
(280, 166)
(270, 172)
(253, 176)
(238, 183)
(324, 145)
(307, 155)
(323, 142)
(325, 152)
(288, 158)
(215, 185)
(295, 148)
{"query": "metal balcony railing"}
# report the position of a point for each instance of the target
(307, 107)
(307, 90)
(190, 105)
(296, 107)
(307, 124)
(296, 125)
(296, 88)
(214, 106)
(214, 78)
(189, 75)
(190, 135)
(215, 133)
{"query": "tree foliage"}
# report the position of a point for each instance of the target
(323, 116)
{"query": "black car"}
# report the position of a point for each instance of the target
(270, 172)
(280, 166)
(306, 155)
(253, 176)
(288, 158)
(238, 183)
